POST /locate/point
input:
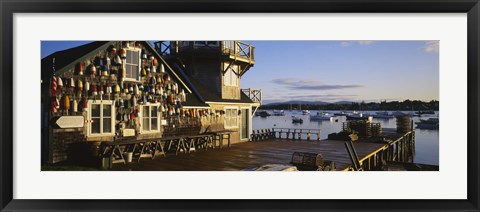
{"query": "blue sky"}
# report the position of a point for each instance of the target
(333, 71)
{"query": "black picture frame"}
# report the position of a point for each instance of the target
(10, 7)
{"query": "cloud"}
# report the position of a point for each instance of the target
(311, 97)
(358, 42)
(310, 84)
(432, 46)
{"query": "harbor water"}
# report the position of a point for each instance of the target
(426, 141)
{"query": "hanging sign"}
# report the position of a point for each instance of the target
(70, 122)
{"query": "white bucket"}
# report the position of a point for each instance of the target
(128, 156)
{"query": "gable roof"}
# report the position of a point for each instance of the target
(66, 59)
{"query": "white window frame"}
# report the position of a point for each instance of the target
(230, 78)
(139, 51)
(142, 112)
(227, 119)
(89, 117)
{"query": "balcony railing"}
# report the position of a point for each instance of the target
(254, 94)
(239, 49)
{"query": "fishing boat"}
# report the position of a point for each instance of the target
(263, 113)
(431, 123)
(382, 115)
(305, 112)
(321, 116)
(296, 119)
(358, 116)
(423, 112)
(342, 113)
(278, 112)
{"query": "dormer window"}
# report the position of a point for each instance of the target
(132, 64)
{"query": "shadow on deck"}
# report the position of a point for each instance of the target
(251, 154)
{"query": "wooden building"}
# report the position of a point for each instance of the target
(110, 90)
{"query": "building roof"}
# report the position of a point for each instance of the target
(66, 59)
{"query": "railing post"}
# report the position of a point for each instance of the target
(308, 135)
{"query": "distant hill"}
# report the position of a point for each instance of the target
(308, 103)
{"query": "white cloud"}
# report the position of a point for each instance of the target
(432, 46)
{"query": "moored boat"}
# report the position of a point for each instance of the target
(296, 119)
(431, 123)
(305, 112)
(278, 112)
(321, 116)
(382, 115)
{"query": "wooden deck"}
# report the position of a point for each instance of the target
(251, 154)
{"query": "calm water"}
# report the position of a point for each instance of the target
(426, 140)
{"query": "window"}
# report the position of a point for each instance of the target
(101, 116)
(231, 117)
(132, 64)
(150, 119)
(230, 78)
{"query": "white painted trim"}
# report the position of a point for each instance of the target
(230, 103)
(196, 107)
(89, 117)
(139, 50)
(224, 118)
(249, 123)
(141, 120)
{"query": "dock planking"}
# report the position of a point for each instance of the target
(251, 154)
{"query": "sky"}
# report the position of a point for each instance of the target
(332, 71)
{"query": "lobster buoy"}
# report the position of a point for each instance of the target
(109, 89)
(54, 86)
(87, 86)
(122, 103)
(66, 103)
(123, 53)
(130, 89)
(72, 83)
(55, 105)
(94, 90)
(80, 86)
(162, 68)
(85, 104)
(79, 68)
(117, 60)
(159, 79)
(101, 90)
(136, 90)
(59, 83)
(144, 72)
(75, 106)
(117, 88)
(105, 71)
(93, 70)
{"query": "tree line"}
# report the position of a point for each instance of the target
(407, 105)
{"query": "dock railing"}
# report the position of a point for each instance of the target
(285, 133)
(399, 150)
